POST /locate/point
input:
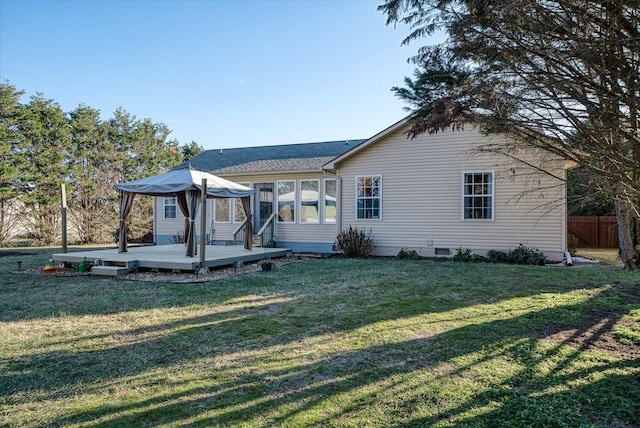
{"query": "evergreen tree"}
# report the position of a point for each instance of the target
(42, 148)
(588, 194)
(142, 149)
(191, 150)
(44, 140)
(92, 196)
(12, 161)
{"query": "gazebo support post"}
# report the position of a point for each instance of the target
(203, 221)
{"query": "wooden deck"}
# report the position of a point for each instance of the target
(166, 257)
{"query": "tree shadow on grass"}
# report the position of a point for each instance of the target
(564, 377)
(281, 315)
(285, 396)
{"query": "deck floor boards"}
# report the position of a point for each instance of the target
(171, 256)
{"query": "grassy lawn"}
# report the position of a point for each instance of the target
(336, 342)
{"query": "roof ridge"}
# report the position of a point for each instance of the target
(349, 140)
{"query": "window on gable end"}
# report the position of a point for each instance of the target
(369, 197)
(477, 196)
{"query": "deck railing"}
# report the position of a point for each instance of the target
(267, 232)
(238, 235)
(265, 235)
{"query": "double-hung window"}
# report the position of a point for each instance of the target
(170, 207)
(309, 201)
(330, 194)
(286, 201)
(477, 196)
(369, 197)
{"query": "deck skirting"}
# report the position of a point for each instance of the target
(168, 257)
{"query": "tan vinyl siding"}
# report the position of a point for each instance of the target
(166, 226)
(297, 231)
(422, 184)
(294, 232)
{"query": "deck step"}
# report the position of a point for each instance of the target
(110, 270)
(129, 264)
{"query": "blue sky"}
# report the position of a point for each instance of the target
(221, 73)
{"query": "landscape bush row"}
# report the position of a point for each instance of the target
(358, 242)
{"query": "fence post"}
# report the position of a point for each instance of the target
(63, 207)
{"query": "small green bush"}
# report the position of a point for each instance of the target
(527, 256)
(406, 254)
(572, 243)
(355, 242)
(462, 255)
(518, 256)
(466, 256)
(495, 256)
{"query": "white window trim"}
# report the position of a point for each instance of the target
(324, 201)
(356, 197)
(233, 217)
(295, 201)
(164, 205)
(300, 202)
(493, 197)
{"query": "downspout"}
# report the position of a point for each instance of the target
(339, 202)
(569, 260)
(155, 221)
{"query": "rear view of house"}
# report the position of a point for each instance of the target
(295, 204)
(433, 194)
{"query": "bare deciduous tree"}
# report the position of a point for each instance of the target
(562, 75)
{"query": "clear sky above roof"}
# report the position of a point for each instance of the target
(221, 73)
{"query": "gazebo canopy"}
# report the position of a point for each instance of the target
(180, 180)
(186, 185)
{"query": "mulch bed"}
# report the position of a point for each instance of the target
(178, 277)
(10, 253)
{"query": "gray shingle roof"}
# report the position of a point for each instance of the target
(265, 159)
(272, 165)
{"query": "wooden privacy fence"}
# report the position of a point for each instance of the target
(594, 232)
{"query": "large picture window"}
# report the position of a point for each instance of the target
(478, 196)
(170, 207)
(310, 201)
(286, 201)
(369, 197)
(222, 214)
(330, 197)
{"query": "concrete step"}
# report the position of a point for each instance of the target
(110, 270)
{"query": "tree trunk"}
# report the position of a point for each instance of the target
(625, 241)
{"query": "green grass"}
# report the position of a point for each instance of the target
(379, 342)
